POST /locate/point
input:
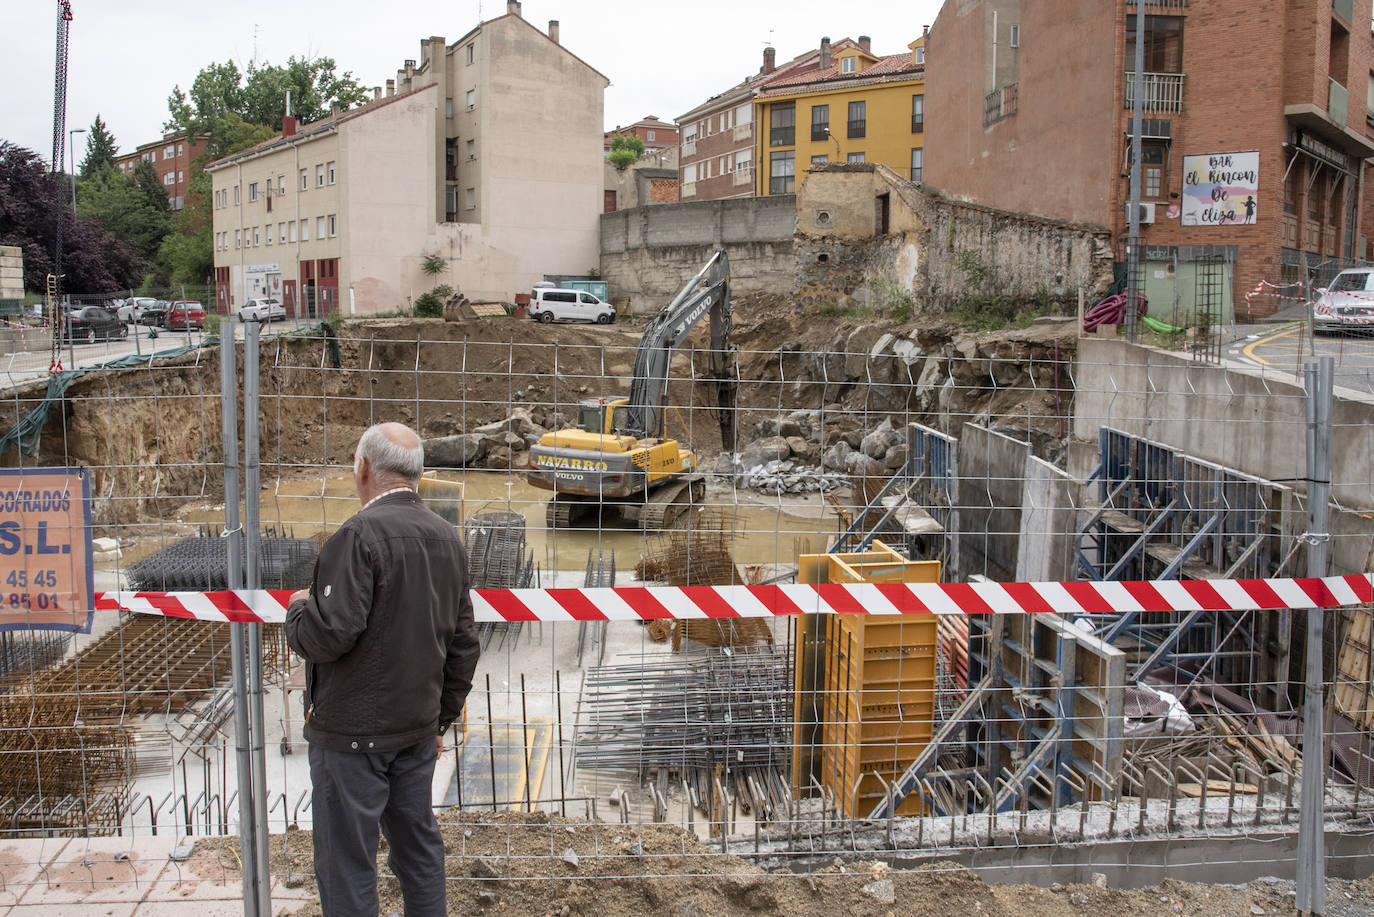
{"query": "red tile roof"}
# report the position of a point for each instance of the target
(885, 69)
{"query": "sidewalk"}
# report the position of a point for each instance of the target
(120, 877)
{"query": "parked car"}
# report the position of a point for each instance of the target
(262, 310)
(547, 305)
(142, 310)
(92, 323)
(185, 315)
(1346, 305)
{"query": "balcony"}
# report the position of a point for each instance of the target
(918, 124)
(744, 131)
(1337, 102)
(689, 148)
(782, 136)
(689, 189)
(1163, 91)
(1000, 104)
(744, 176)
(858, 128)
(820, 131)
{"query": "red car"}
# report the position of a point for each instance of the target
(185, 315)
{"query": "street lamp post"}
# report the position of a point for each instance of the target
(71, 144)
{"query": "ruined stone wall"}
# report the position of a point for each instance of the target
(648, 253)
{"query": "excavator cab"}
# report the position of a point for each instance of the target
(601, 415)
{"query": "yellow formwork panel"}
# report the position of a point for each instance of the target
(876, 678)
(444, 497)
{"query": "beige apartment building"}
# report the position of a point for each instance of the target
(486, 153)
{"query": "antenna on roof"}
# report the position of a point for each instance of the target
(255, 46)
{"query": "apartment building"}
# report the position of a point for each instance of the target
(485, 152)
(1253, 161)
(855, 106)
(716, 155)
(656, 134)
(172, 157)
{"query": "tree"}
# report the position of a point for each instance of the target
(314, 88)
(186, 255)
(132, 210)
(625, 149)
(215, 93)
(32, 200)
(100, 149)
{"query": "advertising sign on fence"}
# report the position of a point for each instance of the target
(46, 575)
(1220, 189)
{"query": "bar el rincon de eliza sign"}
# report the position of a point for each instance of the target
(46, 574)
(1221, 189)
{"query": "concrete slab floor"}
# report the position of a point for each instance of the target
(123, 877)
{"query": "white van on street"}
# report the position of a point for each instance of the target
(548, 304)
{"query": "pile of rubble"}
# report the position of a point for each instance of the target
(809, 451)
(501, 444)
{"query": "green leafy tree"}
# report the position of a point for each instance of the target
(216, 93)
(100, 149)
(314, 86)
(150, 186)
(186, 255)
(129, 211)
(625, 149)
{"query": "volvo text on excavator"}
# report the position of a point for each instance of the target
(617, 461)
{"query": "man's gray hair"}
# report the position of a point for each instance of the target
(389, 459)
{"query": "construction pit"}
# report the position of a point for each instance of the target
(587, 742)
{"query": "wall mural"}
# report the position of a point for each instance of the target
(1220, 189)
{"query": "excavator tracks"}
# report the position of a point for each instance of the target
(670, 501)
(663, 508)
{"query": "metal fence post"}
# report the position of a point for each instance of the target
(1311, 867)
(253, 580)
(233, 534)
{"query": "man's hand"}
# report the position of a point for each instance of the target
(439, 744)
(300, 595)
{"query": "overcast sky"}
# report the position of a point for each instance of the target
(661, 58)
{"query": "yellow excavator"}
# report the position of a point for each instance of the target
(617, 461)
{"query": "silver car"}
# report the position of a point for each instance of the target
(1346, 305)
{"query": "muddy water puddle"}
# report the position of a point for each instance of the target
(762, 530)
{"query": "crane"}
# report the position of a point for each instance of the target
(617, 457)
(59, 128)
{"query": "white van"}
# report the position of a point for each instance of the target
(549, 304)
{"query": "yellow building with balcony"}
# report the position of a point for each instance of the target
(855, 107)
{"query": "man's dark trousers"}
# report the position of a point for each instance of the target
(354, 794)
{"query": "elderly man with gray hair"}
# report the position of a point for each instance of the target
(387, 633)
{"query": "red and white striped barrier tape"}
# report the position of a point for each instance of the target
(672, 602)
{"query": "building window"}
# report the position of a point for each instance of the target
(472, 99)
(170, 177)
(450, 203)
(330, 167)
(820, 122)
(1163, 44)
(319, 227)
(1153, 158)
(281, 184)
(470, 198)
(169, 152)
(690, 136)
(471, 149)
(847, 64)
(689, 174)
(782, 124)
(918, 113)
(448, 108)
(333, 225)
(469, 52)
(305, 230)
(319, 175)
(252, 190)
(651, 135)
(820, 160)
(292, 228)
(181, 176)
(920, 57)
(917, 155)
(236, 195)
(268, 232)
(305, 180)
(238, 238)
(858, 123)
(1015, 35)
(257, 237)
(742, 159)
(782, 169)
(855, 157)
(281, 233)
(180, 147)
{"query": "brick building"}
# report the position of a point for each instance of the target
(343, 213)
(172, 157)
(651, 179)
(656, 134)
(1253, 154)
(717, 148)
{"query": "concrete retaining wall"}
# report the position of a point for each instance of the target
(990, 495)
(648, 253)
(1049, 517)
